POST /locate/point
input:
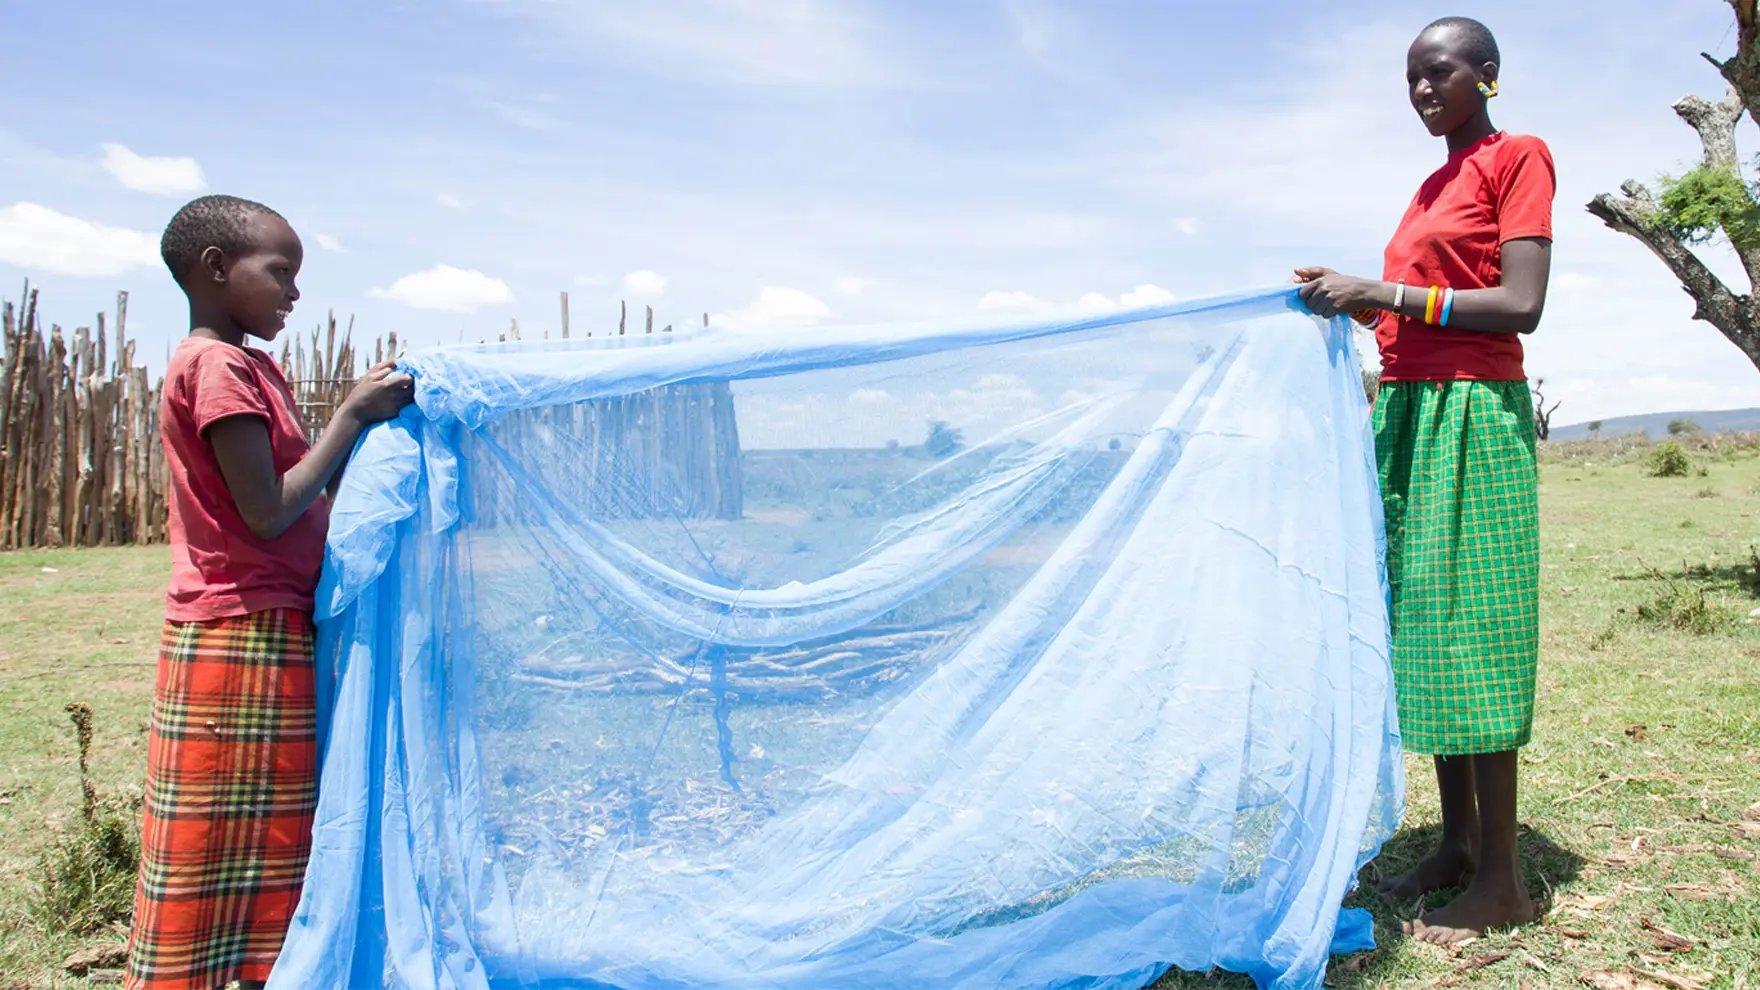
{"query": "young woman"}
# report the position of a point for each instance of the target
(1465, 277)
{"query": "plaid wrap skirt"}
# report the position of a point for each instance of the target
(1460, 492)
(231, 787)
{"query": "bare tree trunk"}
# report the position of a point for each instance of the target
(1743, 71)
(1543, 412)
(1634, 212)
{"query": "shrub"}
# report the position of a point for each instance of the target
(943, 440)
(1678, 427)
(86, 876)
(1686, 609)
(1668, 460)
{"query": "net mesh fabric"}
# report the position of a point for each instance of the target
(1028, 655)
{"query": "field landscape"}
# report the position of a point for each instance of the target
(1641, 812)
(818, 412)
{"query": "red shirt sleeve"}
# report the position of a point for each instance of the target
(223, 383)
(1524, 186)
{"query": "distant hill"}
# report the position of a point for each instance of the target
(1656, 424)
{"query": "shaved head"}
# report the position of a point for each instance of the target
(1468, 38)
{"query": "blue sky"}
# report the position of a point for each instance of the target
(800, 162)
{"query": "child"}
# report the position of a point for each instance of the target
(232, 746)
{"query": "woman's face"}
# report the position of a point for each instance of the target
(1443, 85)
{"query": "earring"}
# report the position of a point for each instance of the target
(1488, 91)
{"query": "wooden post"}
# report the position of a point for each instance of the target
(81, 463)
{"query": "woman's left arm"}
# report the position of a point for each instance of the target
(1512, 307)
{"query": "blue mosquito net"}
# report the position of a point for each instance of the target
(1035, 655)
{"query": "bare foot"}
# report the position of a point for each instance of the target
(1448, 866)
(1479, 908)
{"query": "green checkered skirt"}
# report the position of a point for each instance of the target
(1459, 486)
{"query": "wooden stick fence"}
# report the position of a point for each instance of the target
(81, 462)
(80, 459)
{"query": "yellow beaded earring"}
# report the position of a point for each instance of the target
(1488, 91)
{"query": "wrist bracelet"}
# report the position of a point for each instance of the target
(1399, 295)
(1430, 304)
(1447, 308)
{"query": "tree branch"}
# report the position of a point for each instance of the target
(1716, 124)
(1743, 70)
(1634, 214)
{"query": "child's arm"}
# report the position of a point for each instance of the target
(271, 502)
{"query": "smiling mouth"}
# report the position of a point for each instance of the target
(1432, 110)
(284, 313)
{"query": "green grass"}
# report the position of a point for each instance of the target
(1634, 790)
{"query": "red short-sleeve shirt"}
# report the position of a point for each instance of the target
(220, 568)
(1452, 235)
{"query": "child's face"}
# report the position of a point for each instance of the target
(259, 291)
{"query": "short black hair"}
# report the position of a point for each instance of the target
(208, 221)
(1477, 44)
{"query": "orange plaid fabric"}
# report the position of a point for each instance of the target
(231, 786)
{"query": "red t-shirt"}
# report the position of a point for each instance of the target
(220, 568)
(1452, 235)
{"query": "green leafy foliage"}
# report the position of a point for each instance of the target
(1668, 460)
(86, 873)
(1708, 200)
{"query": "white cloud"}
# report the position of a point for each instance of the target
(1186, 225)
(1143, 295)
(800, 42)
(852, 285)
(1035, 28)
(1014, 301)
(644, 283)
(449, 201)
(1095, 302)
(534, 113)
(329, 243)
(1582, 399)
(34, 237)
(872, 398)
(1147, 294)
(776, 307)
(444, 287)
(997, 400)
(779, 416)
(159, 176)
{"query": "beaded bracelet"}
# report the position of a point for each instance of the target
(1447, 308)
(1430, 304)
